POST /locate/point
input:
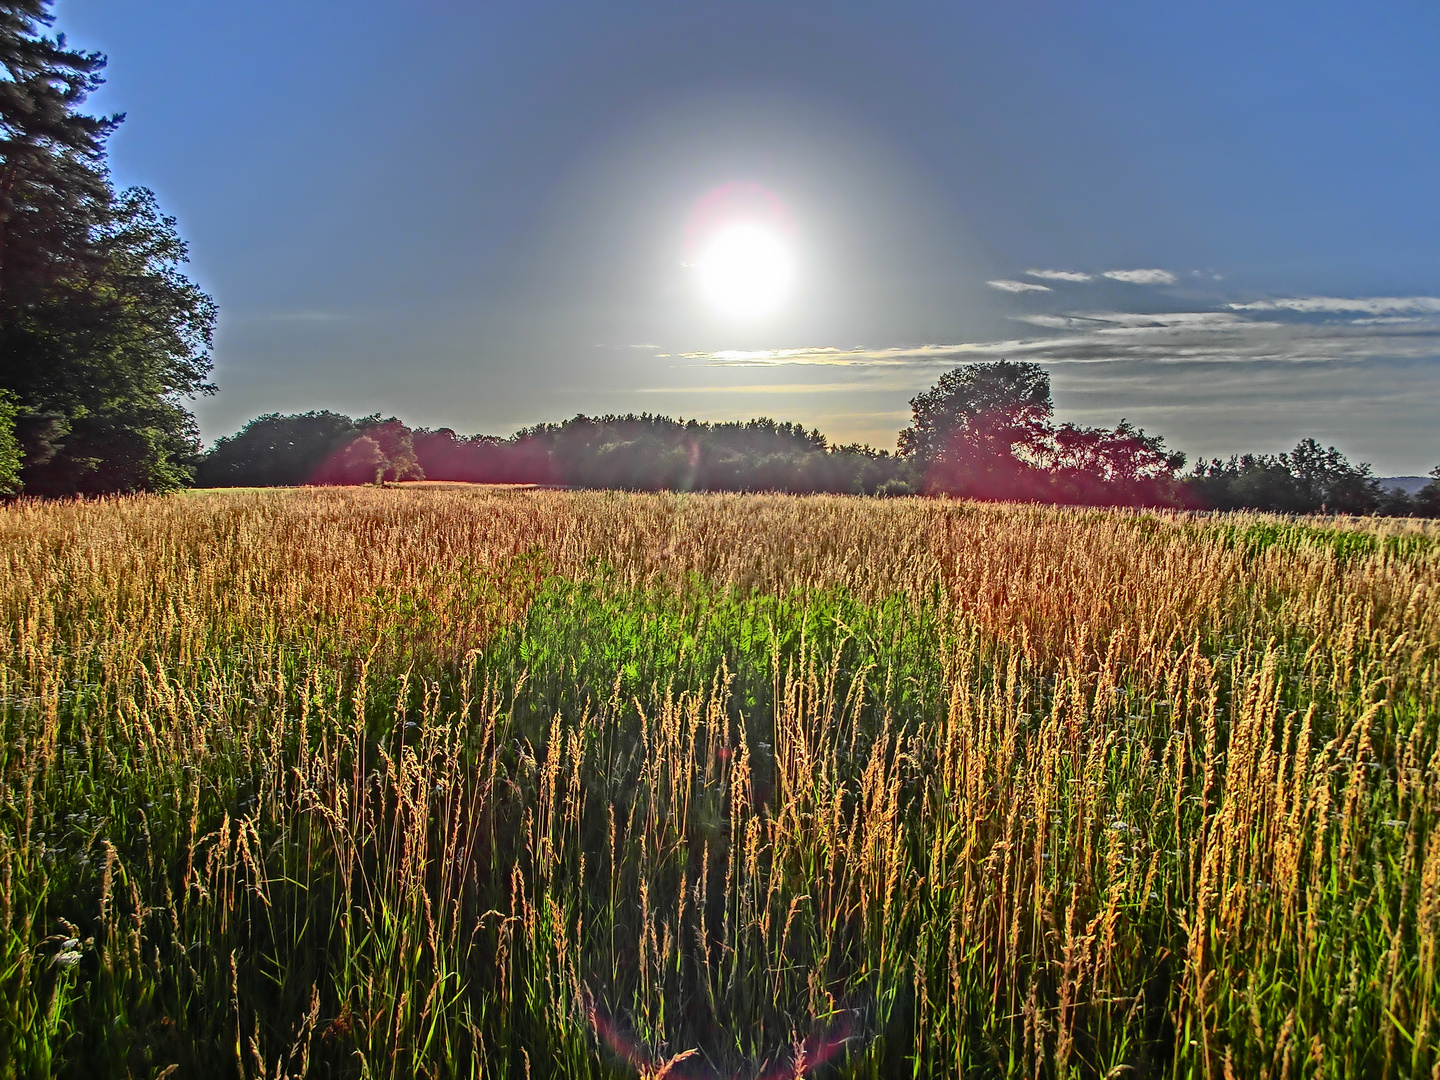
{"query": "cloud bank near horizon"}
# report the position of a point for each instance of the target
(1289, 330)
(1217, 376)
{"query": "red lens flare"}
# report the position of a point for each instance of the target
(735, 202)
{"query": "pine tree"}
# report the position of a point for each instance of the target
(53, 187)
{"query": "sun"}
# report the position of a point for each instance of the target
(746, 269)
(740, 246)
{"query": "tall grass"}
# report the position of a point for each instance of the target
(475, 783)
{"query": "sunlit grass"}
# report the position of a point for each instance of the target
(461, 782)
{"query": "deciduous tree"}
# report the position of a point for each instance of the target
(362, 461)
(397, 449)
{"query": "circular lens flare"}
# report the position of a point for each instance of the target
(745, 270)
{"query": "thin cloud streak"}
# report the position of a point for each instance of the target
(1060, 275)
(1142, 277)
(1372, 305)
(1005, 285)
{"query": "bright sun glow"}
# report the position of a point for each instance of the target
(745, 270)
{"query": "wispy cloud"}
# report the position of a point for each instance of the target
(1060, 275)
(768, 356)
(1101, 321)
(1005, 285)
(1369, 305)
(831, 356)
(1142, 277)
(868, 385)
(1217, 337)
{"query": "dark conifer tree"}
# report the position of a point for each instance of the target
(53, 188)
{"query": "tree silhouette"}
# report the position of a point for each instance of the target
(978, 430)
(1120, 467)
(101, 336)
(1307, 480)
(985, 432)
(274, 450)
(397, 450)
(1427, 499)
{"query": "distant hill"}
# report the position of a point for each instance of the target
(1408, 484)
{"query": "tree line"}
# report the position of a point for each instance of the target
(634, 452)
(984, 431)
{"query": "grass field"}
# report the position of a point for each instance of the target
(467, 782)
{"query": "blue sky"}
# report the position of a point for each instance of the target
(1220, 221)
